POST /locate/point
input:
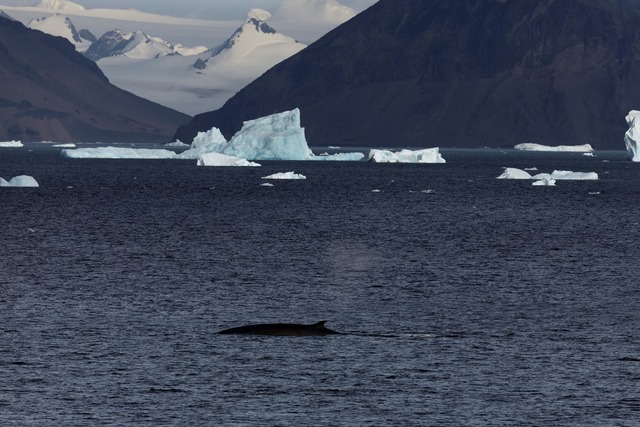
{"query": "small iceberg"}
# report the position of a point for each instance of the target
(514, 173)
(632, 137)
(565, 148)
(11, 144)
(545, 182)
(427, 155)
(65, 145)
(285, 175)
(19, 181)
(218, 159)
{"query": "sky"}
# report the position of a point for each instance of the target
(202, 9)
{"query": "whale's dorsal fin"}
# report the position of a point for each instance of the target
(320, 324)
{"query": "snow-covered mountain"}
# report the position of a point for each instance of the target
(4, 15)
(137, 45)
(193, 85)
(61, 26)
(255, 45)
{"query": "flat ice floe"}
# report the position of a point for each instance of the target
(515, 173)
(584, 148)
(19, 181)
(285, 175)
(11, 144)
(427, 155)
(117, 153)
(217, 159)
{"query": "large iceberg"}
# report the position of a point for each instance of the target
(584, 148)
(19, 181)
(427, 155)
(275, 137)
(632, 136)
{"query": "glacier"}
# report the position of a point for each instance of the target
(584, 148)
(632, 136)
(427, 155)
(19, 181)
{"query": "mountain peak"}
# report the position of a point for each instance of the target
(252, 37)
(57, 25)
(258, 14)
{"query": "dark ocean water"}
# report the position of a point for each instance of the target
(469, 300)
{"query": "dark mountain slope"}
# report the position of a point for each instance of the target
(458, 73)
(48, 91)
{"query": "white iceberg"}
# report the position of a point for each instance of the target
(218, 159)
(567, 175)
(11, 144)
(514, 173)
(117, 153)
(65, 145)
(566, 148)
(632, 136)
(19, 181)
(427, 155)
(275, 137)
(285, 175)
(545, 182)
(178, 144)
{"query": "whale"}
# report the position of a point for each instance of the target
(282, 329)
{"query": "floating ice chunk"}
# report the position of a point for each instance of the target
(177, 143)
(340, 157)
(285, 175)
(211, 141)
(427, 155)
(569, 148)
(546, 182)
(632, 136)
(267, 184)
(567, 175)
(19, 181)
(514, 173)
(117, 153)
(11, 144)
(218, 159)
(65, 145)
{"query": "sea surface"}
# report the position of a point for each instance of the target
(465, 300)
